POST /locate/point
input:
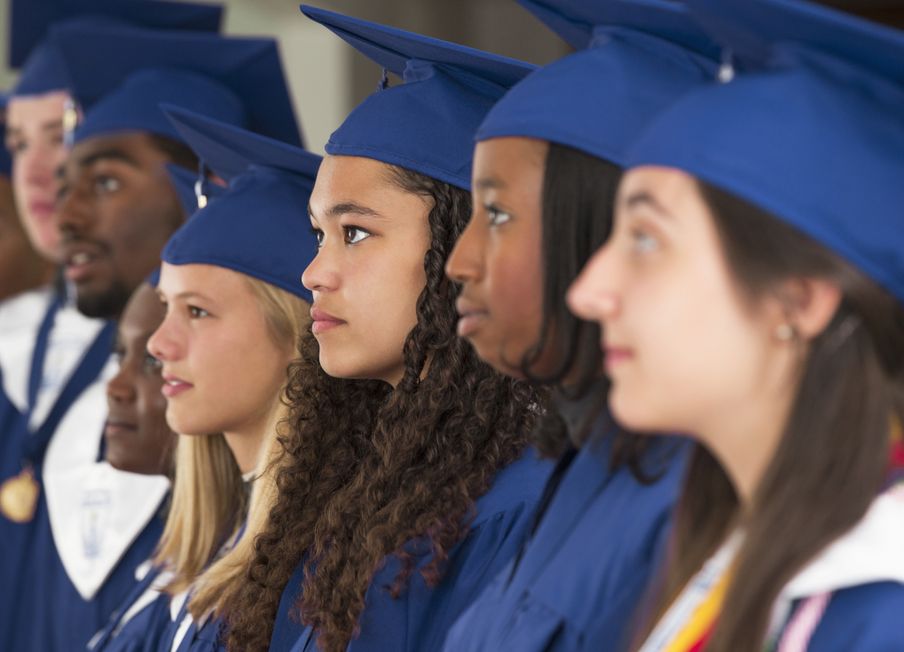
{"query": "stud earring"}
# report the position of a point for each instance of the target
(785, 332)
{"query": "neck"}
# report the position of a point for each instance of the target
(247, 441)
(745, 437)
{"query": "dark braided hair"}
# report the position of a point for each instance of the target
(367, 469)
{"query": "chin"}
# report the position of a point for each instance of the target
(633, 413)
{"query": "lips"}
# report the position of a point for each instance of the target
(80, 260)
(323, 321)
(174, 386)
(41, 209)
(615, 356)
(470, 317)
(117, 427)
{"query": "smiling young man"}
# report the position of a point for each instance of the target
(117, 210)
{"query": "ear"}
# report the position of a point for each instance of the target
(810, 305)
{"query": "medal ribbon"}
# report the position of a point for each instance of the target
(89, 367)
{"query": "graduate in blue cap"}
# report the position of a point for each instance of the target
(117, 209)
(407, 482)
(139, 440)
(56, 368)
(21, 267)
(546, 166)
(235, 311)
(41, 94)
(751, 296)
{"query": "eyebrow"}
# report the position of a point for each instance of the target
(347, 208)
(488, 183)
(107, 154)
(51, 125)
(645, 199)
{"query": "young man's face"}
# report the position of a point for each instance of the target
(116, 211)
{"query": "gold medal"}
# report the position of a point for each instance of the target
(19, 497)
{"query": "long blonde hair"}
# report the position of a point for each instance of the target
(209, 500)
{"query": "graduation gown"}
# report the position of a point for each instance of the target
(582, 574)
(419, 619)
(861, 576)
(138, 624)
(74, 562)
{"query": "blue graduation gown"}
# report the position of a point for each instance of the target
(865, 618)
(419, 619)
(34, 593)
(582, 574)
(144, 628)
(52, 615)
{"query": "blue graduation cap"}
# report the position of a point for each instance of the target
(236, 80)
(189, 186)
(814, 137)
(641, 56)
(258, 225)
(427, 124)
(31, 21)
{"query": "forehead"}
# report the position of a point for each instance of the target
(133, 148)
(209, 280)
(36, 111)
(510, 155)
(143, 313)
(363, 181)
(668, 185)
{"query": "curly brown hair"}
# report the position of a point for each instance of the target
(367, 469)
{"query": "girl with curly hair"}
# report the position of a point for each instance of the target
(407, 482)
(545, 172)
(752, 295)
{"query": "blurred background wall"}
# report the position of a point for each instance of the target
(328, 78)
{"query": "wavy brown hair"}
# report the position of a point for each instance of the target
(367, 469)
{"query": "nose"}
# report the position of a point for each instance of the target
(466, 262)
(164, 344)
(73, 213)
(321, 274)
(592, 295)
(35, 164)
(121, 388)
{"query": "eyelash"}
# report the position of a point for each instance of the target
(638, 234)
(196, 312)
(496, 216)
(346, 230)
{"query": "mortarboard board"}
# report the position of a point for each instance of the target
(641, 56)
(814, 136)
(31, 22)
(237, 80)
(258, 225)
(427, 124)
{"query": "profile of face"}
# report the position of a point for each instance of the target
(138, 439)
(21, 267)
(34, 138)
(685, 347)
(498, 257)
(369, 269)
(116, 211)
(222, 369)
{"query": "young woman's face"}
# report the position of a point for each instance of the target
(683, 348)
(498, 258)
(222, 371)
(137, 435)
(34, 137)
(369, 270)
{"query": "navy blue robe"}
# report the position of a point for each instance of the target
(584, 571)
(419, 619)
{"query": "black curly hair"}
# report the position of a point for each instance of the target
(367, 468)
